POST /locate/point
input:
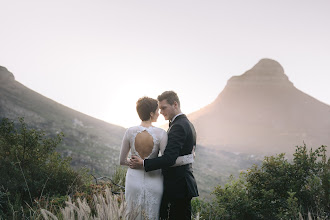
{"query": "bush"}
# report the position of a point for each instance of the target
(31, 169)
(277, 189)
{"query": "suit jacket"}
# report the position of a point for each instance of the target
(179, 182)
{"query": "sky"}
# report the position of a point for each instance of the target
(99, 57)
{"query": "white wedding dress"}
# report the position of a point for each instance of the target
(144, 190)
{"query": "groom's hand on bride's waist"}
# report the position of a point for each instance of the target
(136, 163)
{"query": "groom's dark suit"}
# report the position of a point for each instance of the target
(179, 182)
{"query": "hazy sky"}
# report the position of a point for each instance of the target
(100, 56)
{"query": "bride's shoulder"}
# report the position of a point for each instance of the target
(132, 129)
(160, 130)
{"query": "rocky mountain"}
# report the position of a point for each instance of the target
(89, 141)
(261, 112)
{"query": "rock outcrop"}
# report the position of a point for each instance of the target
(5, 75)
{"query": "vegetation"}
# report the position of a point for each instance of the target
(90, 142)
(104, 206)
(277, 189)
(31, 170)
(37, 183)
(213, 167)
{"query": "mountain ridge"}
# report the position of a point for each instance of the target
(265, 72)
(5, 74)
(86, 139)
(259, 108)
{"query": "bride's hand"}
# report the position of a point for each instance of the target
(135, 163)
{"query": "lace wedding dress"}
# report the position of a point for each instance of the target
(144, 190)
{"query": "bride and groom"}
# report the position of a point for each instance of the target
(155, 193)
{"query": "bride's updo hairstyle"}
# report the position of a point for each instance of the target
(144, 106)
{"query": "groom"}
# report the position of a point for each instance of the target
(179, 182)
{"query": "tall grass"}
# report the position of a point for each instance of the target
(104, 206)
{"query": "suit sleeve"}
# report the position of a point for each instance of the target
(163, 142)
(175, 142)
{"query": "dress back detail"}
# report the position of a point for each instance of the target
(145, 141)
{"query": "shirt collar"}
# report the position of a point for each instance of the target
(176, 116)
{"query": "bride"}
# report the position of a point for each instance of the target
(144, 190)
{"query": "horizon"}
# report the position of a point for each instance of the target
(99, 58)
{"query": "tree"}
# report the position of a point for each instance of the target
(31, 168)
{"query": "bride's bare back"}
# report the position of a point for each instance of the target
(144, 144)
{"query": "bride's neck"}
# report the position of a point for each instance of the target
(146, 123)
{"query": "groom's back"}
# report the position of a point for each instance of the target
(179, 181)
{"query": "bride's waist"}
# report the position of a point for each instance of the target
(143, 172)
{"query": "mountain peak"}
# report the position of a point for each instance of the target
(262, 112)
(5, 74)
(267, 66)
(266, 71)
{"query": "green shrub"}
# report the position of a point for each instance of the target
(31, 169)
(278, 189)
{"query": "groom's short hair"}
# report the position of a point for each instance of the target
(170, 96)
(144, 106)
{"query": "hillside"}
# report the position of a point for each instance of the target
(89, 141)
(261, 112)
